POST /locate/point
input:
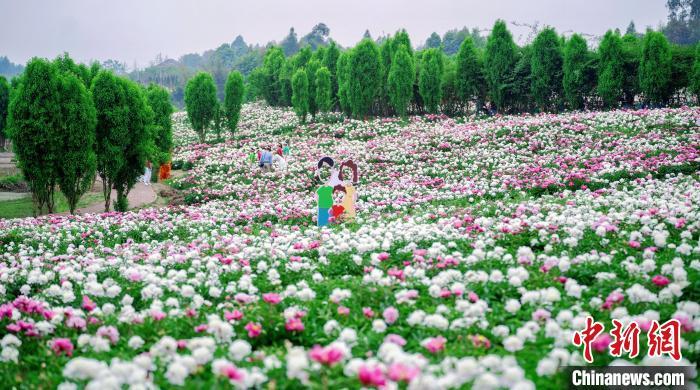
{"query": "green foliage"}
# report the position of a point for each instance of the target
(631, 57)
(4, 103)
(76, 136)
(122, 136)
(500, 58)
(162, 129)
(364, 81)
(433, 41)
(430, 79)
(471, 84)
(610, 69)
(575, 58)
(324, 90)
(655, 68)
(233, 100)
(546, 70)
(201, 103)
(300, 94)
(65, 64)
(400, 83)
(34, 123)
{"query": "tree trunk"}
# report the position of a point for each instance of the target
(106, 192)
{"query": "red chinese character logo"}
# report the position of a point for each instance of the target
(665, 339)
(586, 337)
(625, 340)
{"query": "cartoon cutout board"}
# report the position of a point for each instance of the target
(335, 183)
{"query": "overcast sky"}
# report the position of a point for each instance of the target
(135, 31)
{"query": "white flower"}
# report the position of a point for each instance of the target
(239, 349)
(512, 306)
(135, 342)
(379, 326)
(513, 343)
(176, 374)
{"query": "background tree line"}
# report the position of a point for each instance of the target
(550, 74)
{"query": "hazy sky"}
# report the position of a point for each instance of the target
(136, 30)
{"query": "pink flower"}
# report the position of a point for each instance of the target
(396, 339)
(88, 304)
(272, 298)
(328, 356)
(109, 332)
(200, 328)
(371, 376)
(660, 280)
(390, 315)
(233, 315)
(367, 312)
(402, 373)
(435, 344)
(473, 297)
(600, 344)
(634, 244)
(343, 311)
(254, 329)
(232, 372)
(294, 325)
(613, 298)
(157, 315)
(383, 256)
(62, 345)
(480, 341)
(76, 322)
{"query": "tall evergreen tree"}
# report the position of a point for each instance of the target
(433, 42)
(430, 79)
(76, 137)
(610, 69)
(4, 103)
(233, 100)
(272, 67)
(201, 103)
(330, 61)
(34, 127)
(311, 69)
(365, 72)
(655, 68)
(300, 94)
(343, 74)
(162, 130)
(470, 74)
(324, 89)
(400, 83)
(546, 69)
(574, 82)
(500, 59)
(695, 76)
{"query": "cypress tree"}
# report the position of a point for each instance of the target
(610, 69)
(546, 69)
(695, 76)
(655, 68)
(273, 63)
(364, 82)
(311, 69)
(300, 94)
(330, 61)
(233, 100)
(77, 163)
(470, 73)
(162, 129)
(400, 83)
(500, 59)
(34, 122)
(4, 103)
(575, 57)
(343, 74)
(324, 89)
(430, 79)
(201, 103)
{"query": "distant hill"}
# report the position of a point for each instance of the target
(9, 69)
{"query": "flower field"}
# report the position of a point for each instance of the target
(480, 247)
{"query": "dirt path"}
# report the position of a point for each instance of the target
(139, 196)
